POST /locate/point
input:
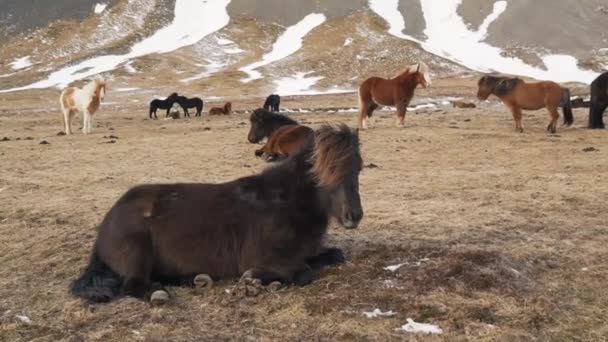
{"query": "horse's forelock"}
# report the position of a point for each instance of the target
(336, 148)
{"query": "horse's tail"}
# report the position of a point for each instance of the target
(98, 283)
(567, 107)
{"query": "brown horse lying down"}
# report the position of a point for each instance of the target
(226, 110)
(517, 95)
(285, 135)
(284, 142)
(270, 226)
(397, 91)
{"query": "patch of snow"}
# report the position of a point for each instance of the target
(349, 110)
(21, 63)
(99, 8)
(223, 41)
(423, 106)
(449, 37)
(424, 328)
(129, 68)
(348, 41)
(378, 313)
(233, 51)
(194, 20)
(585, 269)
(8, 75)
(24, 319)
(210, 69)
(394, 268)
(288, 43)
(301, 85)
(119, 90)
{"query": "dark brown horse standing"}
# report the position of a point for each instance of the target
(517, 95)
(397, 91)
(270, 226)
(285, 135)
(599, 101)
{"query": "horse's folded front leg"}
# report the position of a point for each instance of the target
(328, 257)
(299, 274)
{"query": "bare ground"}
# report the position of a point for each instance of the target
(502, 235)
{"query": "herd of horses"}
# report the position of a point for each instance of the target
(268, 226)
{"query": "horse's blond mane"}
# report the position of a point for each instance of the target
(335, 150)
(410, 69)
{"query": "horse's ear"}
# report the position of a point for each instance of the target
(418, 68)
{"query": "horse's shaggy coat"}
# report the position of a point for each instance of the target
(272, 103)
(162, 104)
(270, 226)
(226, 110)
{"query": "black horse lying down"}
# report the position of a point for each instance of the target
(599, 101)
(272, 103)
(162, 104)
(270, 226)
(187, 103)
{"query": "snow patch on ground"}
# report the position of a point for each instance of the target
(394, 268)
(99, 8)
(211, 68)
(449, 37)
(288, 43)
(194, 19)
(301, 85)
(21, 63)
(348, 41)
(120, 90)
(378, 313)
(414, 327)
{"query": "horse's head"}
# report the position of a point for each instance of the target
(172, 96)
(228, 107)
(485, 87)
(257, 132)
(337, 163)
(422, 75)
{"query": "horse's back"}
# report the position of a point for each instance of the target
(67, 97)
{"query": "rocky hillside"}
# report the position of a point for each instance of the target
(246, 47)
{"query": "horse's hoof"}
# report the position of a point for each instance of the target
(258, 153)
(252, 291)
(203, 282)
(275, 286)
(159, 298)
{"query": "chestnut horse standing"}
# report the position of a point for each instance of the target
(599, 101)
(285, 135)
(226, 110)
(270, 226)
(85, 100)
(517, 95)
(397, 91)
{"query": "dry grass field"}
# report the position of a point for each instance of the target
(503, 236)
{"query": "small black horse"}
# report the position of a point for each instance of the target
(187, 103)
(599, 101)
(162, 104)
(272, 103)
(270, 226)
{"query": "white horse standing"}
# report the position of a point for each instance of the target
(85, 100)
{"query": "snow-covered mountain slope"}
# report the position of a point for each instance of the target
(247, 47)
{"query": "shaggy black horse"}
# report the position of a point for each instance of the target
(272, 103)
(187, 103)
(599, 101)
(264, 123)
(270, 226)
(162, 104)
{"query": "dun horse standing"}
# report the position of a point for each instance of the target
(285, 135)
(270, 226)
(85, 100)
(397, 91)
(599, 101)
(517, 95)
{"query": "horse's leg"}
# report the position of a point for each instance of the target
(299, 274)
(90, 122)
(516, 111)
(85, 121)
(401, 110)
(328, 257)
(168, 110)
(67, 121)
(552, 127)
(137, 281)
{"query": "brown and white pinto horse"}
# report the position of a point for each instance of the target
(517, 95)
(397, 91)
(85, 100)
